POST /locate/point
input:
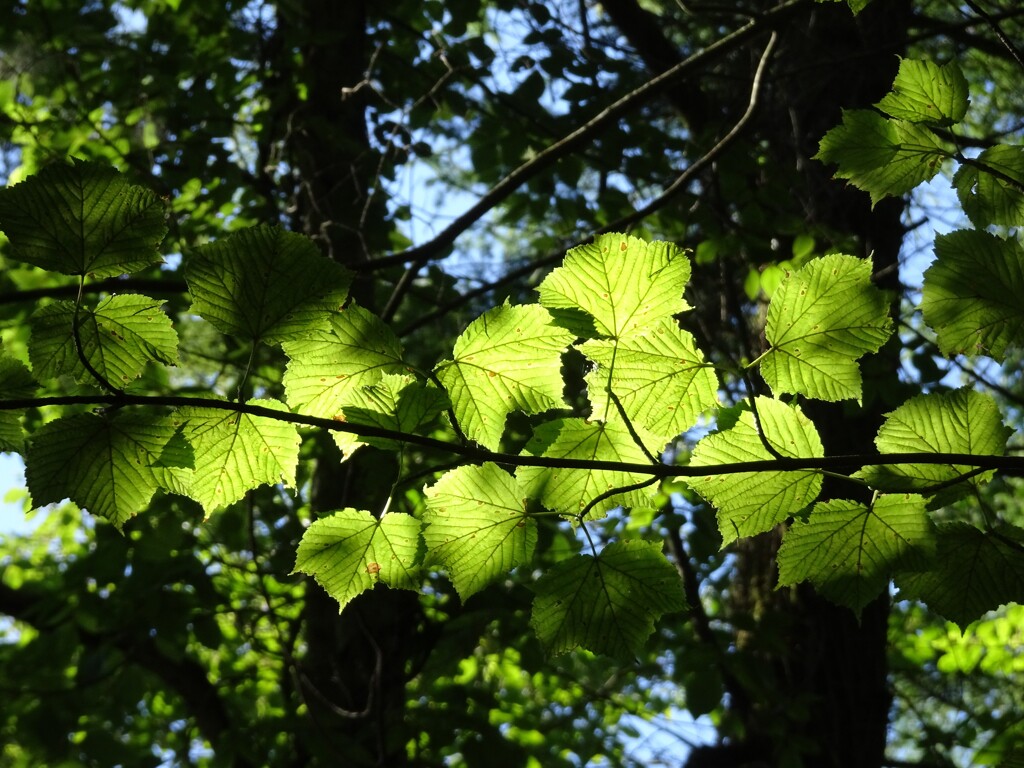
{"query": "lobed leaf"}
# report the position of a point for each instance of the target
(623, 284)
(350, 551)
(749, 503)
(82, 219)
(972, 294)
(265, 284)
(477, 526)
(606, 603)
(926, 92)
(849, 551)
(821, 320)
(508, 359)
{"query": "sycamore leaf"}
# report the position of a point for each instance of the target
(354, 350)
(972, 294)
(508, 359)
(926, 92)
(82, 219)
(15, 383)
(849, 551)
(986, 188)
(237, 452)
(973, 572)
(622, 283)
(477, 526)
(606, 603)
(880, 156)
(661, 379)
(569, 491)
(963, 421)
(398, 402)
(749, 503)
(265, 284)
(103, 463)
(821, 320)
(349, 551)
(118, 338)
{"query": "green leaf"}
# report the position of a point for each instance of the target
(477, 526)
(15, 383)
(661, 379)
(508, 359)
(989, 186)
(972, 294)
(624, 284)
(237, 452)
(82, 219)
(349, 551)
(749, 503)
(882, 157)
(397, 402)
(855, 5)
(926, 92)
(974, 572)
(849, 551)
(964, 421)
(118, 338)
(355, 350)
(265, 284)
(569, 491)
(606, 603)
(103, 463)
(821, 320)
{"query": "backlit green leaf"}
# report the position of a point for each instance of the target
(749, 503)
(849, 551)
(606, 603)
(15, 383)
(508, 359)
(265, 284)
(477, 526)
(622, 283)
(82, 219)
(926, 92)
(569, 491)
(990, 186)
(354, 350)
(350, 551)
(972, 293)
(821, 320)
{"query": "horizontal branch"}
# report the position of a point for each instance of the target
(475, 454)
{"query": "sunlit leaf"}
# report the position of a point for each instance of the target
(606, 603)
(926, 92)
(350, 551)
(477, 526)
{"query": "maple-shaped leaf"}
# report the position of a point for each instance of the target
(926, 92)
(883, 157)
(570, 491)
(989, 186)
(849, 550)
(972, 294)
(661, 379)
(477, 526)
(749, 503)
(82, 219)
(118, 338)
(235, 452)
(355, 349)
(509, 358)
(397, 402)
(622, 283)
(973, 572)
(265, 284)
(962, 421)
(606, 603)
(350, 551)
(821, 320)
(103, 463)
(15, 383)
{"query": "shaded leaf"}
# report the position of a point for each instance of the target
(15, 383)
(990, 187)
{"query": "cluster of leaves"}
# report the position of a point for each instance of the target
(616, 302)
